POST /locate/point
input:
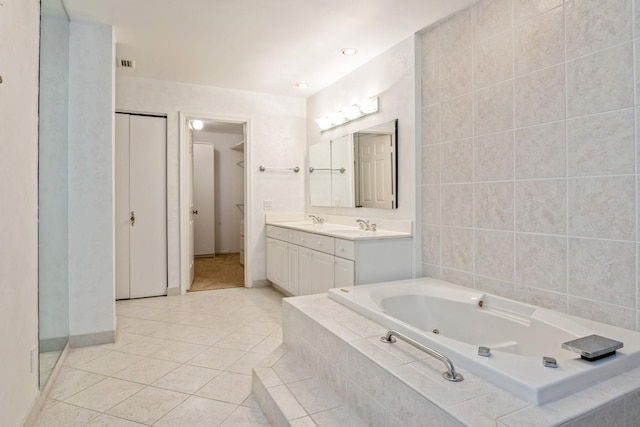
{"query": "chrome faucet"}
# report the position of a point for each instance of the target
(316, 219)
(363, 224)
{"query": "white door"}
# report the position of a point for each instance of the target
(204, 199)
(192, 270)
(376, 174)
(141, 204)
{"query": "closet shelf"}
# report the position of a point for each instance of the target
(239, 146)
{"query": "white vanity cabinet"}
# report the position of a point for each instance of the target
(303, 263)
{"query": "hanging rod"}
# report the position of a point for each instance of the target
(311, 169)
(265, 168)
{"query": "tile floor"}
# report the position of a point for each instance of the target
(177, 361)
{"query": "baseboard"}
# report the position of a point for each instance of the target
(41, 398)
(172, 292)
(53, 344)
(97, 338)
(260, 283)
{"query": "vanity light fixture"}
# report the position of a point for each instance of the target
(348, 113)
(348, 51)
(197, 124)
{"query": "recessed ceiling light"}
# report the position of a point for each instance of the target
(302, 85)
(197, 124)
(349, 51)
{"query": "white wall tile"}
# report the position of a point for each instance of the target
(601, 312)
(430, 45)
(541, 206)
(540, 151)
(431, 83)
(431, 204)
(493, 60)
(455, 74)
(456, 207)
(456, 118)
(602, 207)
(494, 254)
(493, 157)
(603, 270)
(457, 248)
(493, 108)
(431, 125)
(496, 287)
(523, 9)
(539, 42)
(458, 277)
(540, 97)
(491, 17)
(542, 298)
(455, 32)
(593, 25)
(431, 164)
(457, 161)
(541, 261)
(600, 82)
(431, 244)
(494, 205)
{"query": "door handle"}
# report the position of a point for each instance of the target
(132, 218)
(195, 212)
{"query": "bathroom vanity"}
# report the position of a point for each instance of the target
(305, 258)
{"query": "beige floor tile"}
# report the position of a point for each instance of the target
(122, 339)
(197, 412)
(246, 417)
(148, 405)
(217, 358)
(338, 417)
(80, 356)
(227, 387)
(246, 363)
(267, 345)
(145, 346)
(138, 326)
(137, 311)
(187, 378)
(260, 327)
(105, 420)
(70, 381)
(105, 394)
(206, 336)
(110, 363)
(146, 371)
(179, 352)
(177, 332)
(64, 415)
(240, 341)
(314, 395)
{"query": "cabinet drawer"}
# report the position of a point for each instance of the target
(345, 249)
(316, 242)
(292, 236)
(277, 232)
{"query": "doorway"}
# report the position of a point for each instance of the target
(217, 196)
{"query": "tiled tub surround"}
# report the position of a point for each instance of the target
(397, 385)
(519, 335)
(529, 153)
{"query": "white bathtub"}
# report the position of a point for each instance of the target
(518, 334)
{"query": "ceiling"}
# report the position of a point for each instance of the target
(257, 45)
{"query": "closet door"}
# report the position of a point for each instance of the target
(148, 202)
(141, 206)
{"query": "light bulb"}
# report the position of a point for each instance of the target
(197, 124)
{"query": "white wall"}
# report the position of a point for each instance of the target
(19, 31)
(91, 203)
(391, 76)
(229, 188)
(276, 134)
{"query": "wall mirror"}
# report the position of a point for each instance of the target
(53, 273)
(356, 170)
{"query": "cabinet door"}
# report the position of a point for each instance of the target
(277, 262)
(322, 272)
(304, 270)
(292, 269)
(344, 273)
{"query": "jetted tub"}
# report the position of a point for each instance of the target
(455, 321)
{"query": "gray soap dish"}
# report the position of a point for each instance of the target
(593, 347)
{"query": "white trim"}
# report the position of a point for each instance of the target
(184, 117)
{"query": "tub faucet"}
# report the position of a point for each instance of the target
(363, 224)
(316, 219)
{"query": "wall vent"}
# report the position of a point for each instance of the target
(126, 63)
